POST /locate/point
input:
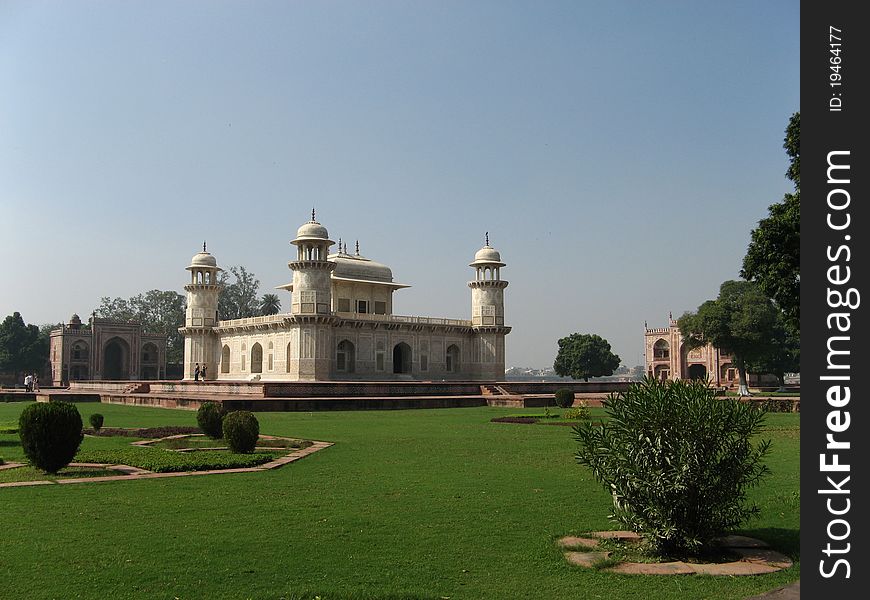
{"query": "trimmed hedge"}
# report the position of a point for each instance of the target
(241, 431)
(564, 398)
(50, 434)
(166, 461)
(210, 416)
(96, 421)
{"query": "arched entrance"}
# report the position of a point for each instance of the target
(116, 360)
(345, 359)
(662, 372)
(256, 358)
(697, 372)
(402, 358)
(452, 358)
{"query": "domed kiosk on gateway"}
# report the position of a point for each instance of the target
(341, 324)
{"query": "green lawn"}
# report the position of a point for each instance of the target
(407, 504)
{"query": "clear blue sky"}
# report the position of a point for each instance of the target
(619, 153)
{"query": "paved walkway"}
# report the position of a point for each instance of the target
(789, 592)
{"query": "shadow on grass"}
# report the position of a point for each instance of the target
(9, 443)
(787, 541)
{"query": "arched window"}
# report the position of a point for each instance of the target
(287, 357)
(661, 350)
(80, 351)
(225, 359)
(256, 358)
(345, 357)
(452, 358)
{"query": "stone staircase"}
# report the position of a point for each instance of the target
(496, 395)
(137, 387)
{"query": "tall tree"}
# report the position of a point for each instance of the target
(773, 256)
(583, 355)
(22, 347)
(741, 322)
(158, 311)
(270, 304)
(238, 300)
(783, 354)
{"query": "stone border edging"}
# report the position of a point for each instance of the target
(756, 557)
(137, 473)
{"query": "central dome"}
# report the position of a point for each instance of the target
(359, 267)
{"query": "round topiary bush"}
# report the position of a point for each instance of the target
(209, 417)
(241, 431)
(678, 461)
(564, 398)
(96, 420)
(50, 434)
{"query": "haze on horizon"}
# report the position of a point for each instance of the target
(618, 154)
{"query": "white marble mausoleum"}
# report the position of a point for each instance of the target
(341, 324)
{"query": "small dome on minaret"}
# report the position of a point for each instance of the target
(203, 259)
(312, 231)
(487, 256)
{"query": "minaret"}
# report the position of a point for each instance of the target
(487, 314)
(311, 305)
(200, 340)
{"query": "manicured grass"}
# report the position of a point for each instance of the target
(407, 504)
(29, 473)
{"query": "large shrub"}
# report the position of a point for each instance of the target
(50, 434)
(564, 398)
(241, 431)
(209, 417)
(678, 461)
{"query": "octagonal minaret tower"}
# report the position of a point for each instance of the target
(311, 306)
(487, 313)
(201, 316)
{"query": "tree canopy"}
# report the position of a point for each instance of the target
(583, 355)
(270, 304)
(773, 256)
(158, 312)
(22, 347)
(741, 322)
(783, 353)
(238, 300)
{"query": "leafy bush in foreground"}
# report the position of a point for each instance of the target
(50, 434)
(564, 398)
(677, 460)
(96, 420)
(241, 431)
(209, 416)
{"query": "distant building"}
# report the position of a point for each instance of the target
(105, 350)
(341, 324)
(667, 357)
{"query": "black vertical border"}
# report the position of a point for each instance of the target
(824, 130)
